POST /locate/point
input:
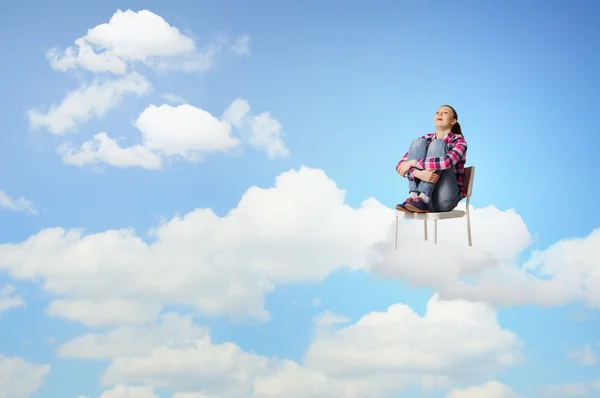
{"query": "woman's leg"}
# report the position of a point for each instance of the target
(447, 193)
(441, 195)
(437, 149)
(417, 150)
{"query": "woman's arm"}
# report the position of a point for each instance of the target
(447, 161)
(405, 157)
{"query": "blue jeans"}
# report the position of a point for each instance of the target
(443, 195)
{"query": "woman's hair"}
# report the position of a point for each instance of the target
(456, 127)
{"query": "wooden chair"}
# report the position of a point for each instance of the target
(469, 175)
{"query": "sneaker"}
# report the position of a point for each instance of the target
(417, 206)
(402, 206)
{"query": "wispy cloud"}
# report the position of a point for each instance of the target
(8, 299)
(174, 98)
(18, 204)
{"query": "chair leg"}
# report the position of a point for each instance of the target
(396, 235)
(425, 228)
(469, 228)
(435, 231)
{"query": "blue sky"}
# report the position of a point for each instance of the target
(246, 182)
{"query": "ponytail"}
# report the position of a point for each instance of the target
(457, 130)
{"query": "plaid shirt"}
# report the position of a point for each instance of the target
(456, 156)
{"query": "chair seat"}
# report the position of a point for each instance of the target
(431, 216)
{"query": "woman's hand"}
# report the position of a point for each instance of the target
(427, 175)
(404, 167)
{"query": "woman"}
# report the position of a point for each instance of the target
(434, 166)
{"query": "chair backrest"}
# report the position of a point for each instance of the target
(468, 179)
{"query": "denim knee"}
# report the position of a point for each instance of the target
(419, 142)
(438, 143)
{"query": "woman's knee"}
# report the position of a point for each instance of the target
(438, 144)
(419, 142)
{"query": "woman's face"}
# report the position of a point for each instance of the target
(444, 117)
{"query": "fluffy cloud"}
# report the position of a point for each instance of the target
(452, 259)
(114, 47)
(226, 265)
(434, 345)
(261, 131)
(90, 100)
(220, 265)
(492, 389)
(140, 37)
(103, 149)
(356, 361)
(16, 204)
(8, 298)
(183, 131)
(566, 272)
(20, 378)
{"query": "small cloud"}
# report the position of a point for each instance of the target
(174, 98)
(8, 299)
(316, 302)
(328, 319)
(262, 131)
(19, 204)
(241, 45)
(88, 101)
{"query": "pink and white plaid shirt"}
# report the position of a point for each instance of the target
(456, 156)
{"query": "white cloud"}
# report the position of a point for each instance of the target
(585, 356)
(90, 100)
(226, 265)
(141, 37)
(356, 361)
(566, 272)
(327, 319)
(492, 389)
(262, 131)
(219, 265)
(16, 204)
(492, 247)
(103, 149)
(8, 299)
(20, 378)
(174, 98)
(185, 131)
(181, 131)
(448, 342)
